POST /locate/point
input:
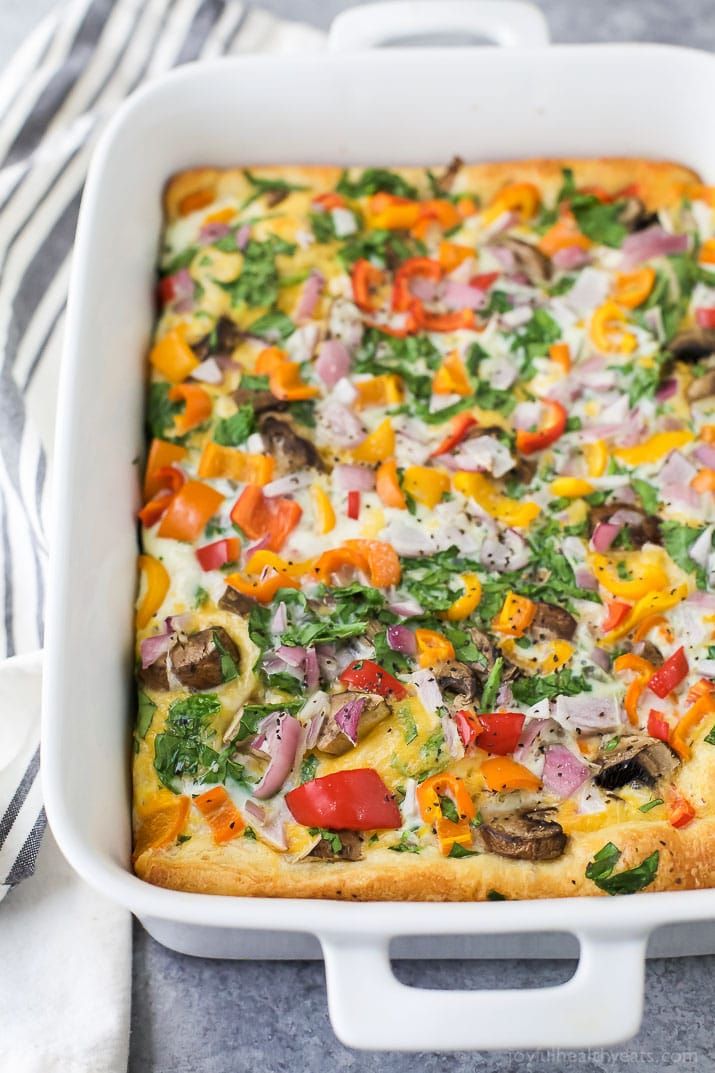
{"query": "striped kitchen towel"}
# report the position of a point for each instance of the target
(55, 99)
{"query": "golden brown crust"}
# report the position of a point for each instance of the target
(687, 861)
(659, 182)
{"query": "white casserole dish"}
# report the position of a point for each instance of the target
(349, 106)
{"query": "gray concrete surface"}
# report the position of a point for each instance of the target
(199, 1016)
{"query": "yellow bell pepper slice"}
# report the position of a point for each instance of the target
(425, 484)
(607, 330)
(322, 509)
(654, 448)
(448, 831)
(433, 647)
(650, 604)
(155, 587)
(632, 288)
(648, 576)
(464, 605)
(219, 461)
(378, 445)
(512, 512)
(451, 377)
(571, 487)
(260, 560)
(173, 357)
(596, 455)
(516, 615)
(704, 705)
(516, 197)
(384, 390)
(559, 655)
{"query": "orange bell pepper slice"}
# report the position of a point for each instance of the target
(607, 330)
(330, 200)
(460, 426)
(197, 199)
(383, 390)
(617, 611)
(707, 252)
(444, 322)
(162, 824)
(451, 377)
(413, 268)
(704, 705)
(562, 235)
(269, 359)
(285, 383)
(262, 590)
(189, 511)
(522, 198)
(219, 461)
(452, 254)
(155, 587)
(152, 511)
(680, 811)
(433, 647)
(161, 455)
(425, 484)
(704, 481)
(173, 357)
(391, 213)
(699, 689)
(221, 814)
(560, 353)
(221, 216)
(632, 288)
(258, 516)
(435, 211)
(553, 426)
(649, 624)
(516, 615)
(503, 773)
(448, 831)
(197, 406)
(388, 485)
(383, 562)
(366, 278)
(335, 560)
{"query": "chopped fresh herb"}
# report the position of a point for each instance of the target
(448, 808)
(710, 736)
(308, 768)
(303, 412)
(407, 844)
(276, 187)
(381, 246)
(200, 596)
(235, 430)
(229, 670)
(161, 412)
(331, 837)
(600, 870)
(491, 686)
(322, 226)
(496, 896)
(408, 726)
(648, 495)
(273, 326)
(375, 181)
(183, 748)
(183, 838)
(258, 283)
(145, 713)
(564, 682)
(250, 833)
(651, 804)
(458, 851)
(254, 383)
(611, 744)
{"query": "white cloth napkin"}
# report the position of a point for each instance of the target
(65, 951)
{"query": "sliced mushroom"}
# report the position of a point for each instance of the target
(156, 675)
(532, 262)
(649, 651)
(446, 180)
(350, 847)
(552, 621)
(523, 836)
(291, 451)
(635, 216)
(236, 602)
(332, 739)
(260, 401)
(637, 758)
(693, 344)
(702, 387)
(224, 339)
(198, 660)
(459, 678)
(646, 532)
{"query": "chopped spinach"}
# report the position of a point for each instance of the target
(145, 713)
(235, 430)
(678, 540)
(276, 187)
(273, 326)
(458, 851)
(600, 870)
(308, 768)
(530, 690)
(375, 181)
(161, 412)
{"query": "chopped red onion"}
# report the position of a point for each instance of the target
(428, 692)
(462, 296)
(588, 713)
(701, 548)
(270, 828)
(515, 318)
(681, 494)
(208, 372)
(310, 295)
(569, 257)
(288, 485)
(260, 545)
(281, 743)
(676, 470)
(354, 478)
(279, 622)
(406, 606)
(590, 290)
(452, 740)
(705, 454)
(343, 427)
(212, 232)
(152, 648)
(623, 516)
(348, 717)
(603, 535)
(601, 658)
(424, 289)
(705, 667)
(482, 454)
(667, 389)
(529, 733)
(506, 551)
(526, 415)
(175, 623)
(585, 579)
(563, 772)
(651, 242)
(293, 655)
(333, 362)
(401, 639)
(242, 236)
(312, 670)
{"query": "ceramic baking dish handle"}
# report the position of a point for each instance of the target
(601, 1004)
(506, 22)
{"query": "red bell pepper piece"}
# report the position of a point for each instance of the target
(421, 267)
(553, 426)
(670, 674)
(617, 611)
(680, 811)
(461, 424)
(214, 556)
(370, 677)
(355, 800)
(658, 727)
(484, 280)
(501, 733)
(354, 505)
(443, 322)
(468, 727)
(705, 317)
(259, 516)
(365, 277)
